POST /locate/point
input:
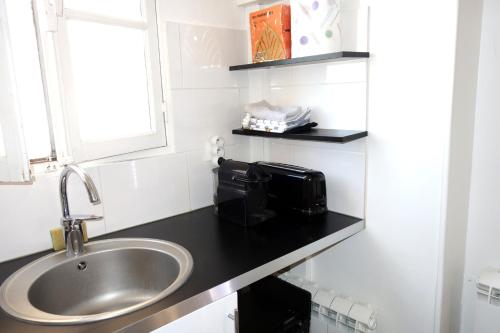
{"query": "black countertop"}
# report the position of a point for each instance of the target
(224, 254)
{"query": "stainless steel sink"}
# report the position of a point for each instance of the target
(112, 278)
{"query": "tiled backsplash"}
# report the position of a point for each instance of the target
(336, 92)
(29, 211)
(200, 114)
(144, 190)
(202, 54)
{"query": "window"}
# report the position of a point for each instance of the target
(106, 97)
(25, 67)
(13, 157)
(83, 83)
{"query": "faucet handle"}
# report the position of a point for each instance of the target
(83, 218)
(76, 220)
(75, 232)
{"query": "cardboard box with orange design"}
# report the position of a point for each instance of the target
(270, 31)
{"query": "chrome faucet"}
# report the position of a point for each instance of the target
(73, 231)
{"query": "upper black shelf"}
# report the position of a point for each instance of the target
(315, 134)
(327, 57)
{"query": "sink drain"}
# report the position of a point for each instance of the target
(82, 266)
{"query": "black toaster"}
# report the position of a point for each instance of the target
(294, 189)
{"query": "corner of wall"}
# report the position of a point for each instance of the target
(457, 182)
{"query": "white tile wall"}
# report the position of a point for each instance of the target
(280, 151)
(26, 215)
(240, 152)
(145, 190)
(256, 149)
(341, 106)
(200, 177)
(258, 80)
(335, 72)
(344, 173)
(206, 99)
(354, 25)
(218, 13)
(173, 49)
(199, 56)
(200, 114)
(207, 54)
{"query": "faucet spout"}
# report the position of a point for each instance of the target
(73, 224)
(87, 181)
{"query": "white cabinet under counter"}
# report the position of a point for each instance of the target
(217, 317)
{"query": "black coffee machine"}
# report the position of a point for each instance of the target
(252, 193)
(241, 193)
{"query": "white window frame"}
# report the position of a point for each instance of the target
(14, 165)
(55, 56)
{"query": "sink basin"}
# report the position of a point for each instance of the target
(112, 278)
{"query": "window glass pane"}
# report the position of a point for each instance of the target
(121, 8)
(110, 81)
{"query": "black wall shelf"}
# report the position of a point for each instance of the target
(316, 134)
(328, 57)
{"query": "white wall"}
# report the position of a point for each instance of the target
(393, 264)
(202, 39)
(483, 229)
(218, 13)
(453, 237)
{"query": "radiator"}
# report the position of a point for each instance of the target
(334, 313)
